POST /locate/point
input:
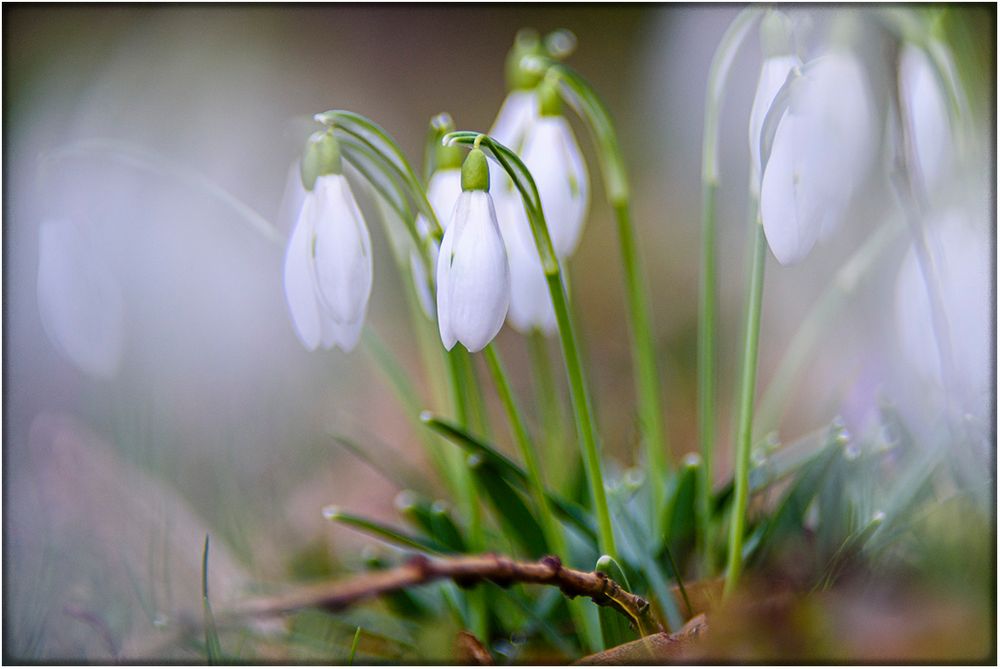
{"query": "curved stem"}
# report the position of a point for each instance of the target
(748, 384)
(718, 72)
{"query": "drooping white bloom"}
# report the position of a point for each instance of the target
(927, 109)
(960, 254)
(773, 73)
(328, 267)
(554, 159)
(79, 300)
(517, 113)
(473, 277)
(822, 150)
(292, 199)
(530, 302)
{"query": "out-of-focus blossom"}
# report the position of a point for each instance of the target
(473, 277)
(822, 150)
(779, 60)
(530, 301)
(555, 161)
(960, 254)
(79, 300)
(927, 113)
(328, 264)
(442, 192)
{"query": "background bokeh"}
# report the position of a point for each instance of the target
(216, 420)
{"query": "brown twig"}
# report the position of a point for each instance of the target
(465, 571)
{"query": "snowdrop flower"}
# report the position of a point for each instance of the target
(779, 60)
(960, 254)
(328, 264)
(927, 110)
(79, 300)
(530, 303)
(473, 277)
(554, 159)
(823, 147)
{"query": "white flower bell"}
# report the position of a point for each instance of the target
(554, 159)
(960, 253)
(779, 60)
(530, 302)
(328, 264)
(822, 150)
(79, 300)
(928, 115)
(473, 277)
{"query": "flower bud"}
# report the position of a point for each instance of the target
(321, 157)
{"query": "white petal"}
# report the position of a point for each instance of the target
(343, 335)
(477, 278)
(928, 110)
(518, 112)
(442, 192)
(292, 199)
(822, 151)
(961, 257)
(773, 73)
(79, 300)
(788, 235)
(554, 159)
(300, 284)
(444, 278)
(343, 258)
(420, 282)
(530, 302)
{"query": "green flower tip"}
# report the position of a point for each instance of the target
(526, 43)
(447, 156)
(331, 512)
(321, 157)
(549, 102)
(776, 36)
(475, 171)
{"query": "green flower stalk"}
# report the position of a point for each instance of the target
(579, 391)
(718, 72)
(581, 96)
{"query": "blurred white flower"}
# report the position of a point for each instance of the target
(473, 277)
(442, 192)
(773, 73)
(328, 267)
(927, 110)
(79, 300)
(960, 254)
(292, 199)
(554, 159)
(822, 151)
(530, 302)
(517, 113)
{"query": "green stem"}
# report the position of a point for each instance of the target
(647, 381)
(547, 398)
(817, 323)
(647, 378)
(748, 383)
(477, 604)
(718, 72)
(583, 412)
(706, 372)
(550, 527)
